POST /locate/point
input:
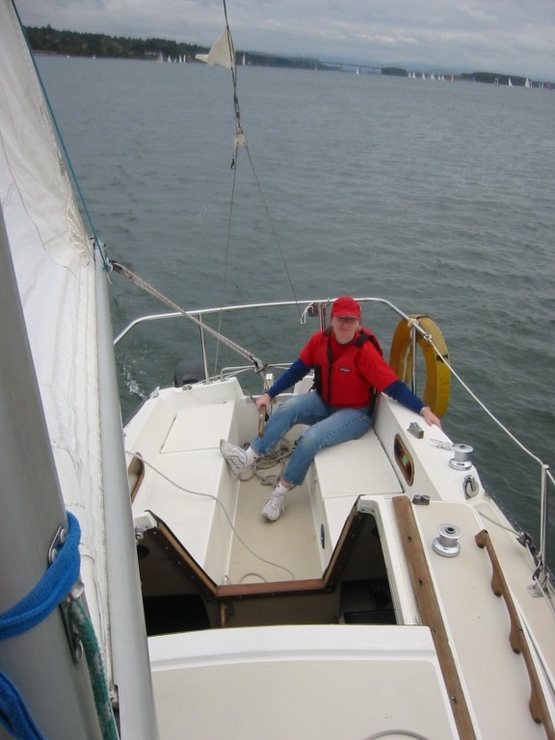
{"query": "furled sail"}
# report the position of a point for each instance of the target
(222, 52)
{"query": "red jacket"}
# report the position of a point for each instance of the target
(349, 374)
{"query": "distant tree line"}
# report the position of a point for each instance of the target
(70, 43)
(493, 78)
(47, 40)
(395, 71)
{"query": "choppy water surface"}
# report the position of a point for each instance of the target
(436, 196)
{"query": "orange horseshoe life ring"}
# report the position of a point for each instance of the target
(438, 376)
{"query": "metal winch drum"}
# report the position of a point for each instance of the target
(461, 461)
(447, 543)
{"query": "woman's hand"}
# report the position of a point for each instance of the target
(264, 400)
(430, 417)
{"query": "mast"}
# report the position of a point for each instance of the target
(39, 662)
(130, 659)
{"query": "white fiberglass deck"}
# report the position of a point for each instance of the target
(478, 621)
(315, 683)
(185, 474)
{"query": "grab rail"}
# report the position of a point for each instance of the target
(517, 639)
(430, 612)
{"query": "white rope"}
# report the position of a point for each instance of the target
(139, 456)
(277, 456)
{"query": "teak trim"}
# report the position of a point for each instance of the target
(196, 575)
(517, 638)
(430, 613)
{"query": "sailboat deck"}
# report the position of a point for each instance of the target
(321, 682)
(360, 477)
(257, 538)
(477, 621)
(187, 485)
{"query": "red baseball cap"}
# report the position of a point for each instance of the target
(346, 306)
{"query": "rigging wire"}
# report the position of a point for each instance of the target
(259, 366)
(240, 141)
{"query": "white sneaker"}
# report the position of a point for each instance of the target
(236, 457)
(275, 506)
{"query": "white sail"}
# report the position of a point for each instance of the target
(62, 291)
(222, 52)
(54, 264)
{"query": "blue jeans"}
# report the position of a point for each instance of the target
(327, 426)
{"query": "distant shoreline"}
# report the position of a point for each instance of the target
(51, 42)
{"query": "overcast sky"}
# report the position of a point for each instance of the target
(516, 37)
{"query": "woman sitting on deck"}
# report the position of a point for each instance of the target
(349, 371)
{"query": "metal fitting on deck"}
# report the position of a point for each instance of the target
(447, 543)
(461, 461)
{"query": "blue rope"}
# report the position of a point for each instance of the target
(33, 608)
(52, 588)
(14, 713)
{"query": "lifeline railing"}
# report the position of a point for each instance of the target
(319, 309)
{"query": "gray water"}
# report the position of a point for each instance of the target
(436, 196)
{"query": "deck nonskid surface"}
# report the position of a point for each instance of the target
(290, 542)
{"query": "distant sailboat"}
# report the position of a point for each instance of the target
(510, 83)
(528, 83)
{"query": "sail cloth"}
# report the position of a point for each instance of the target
(54, 264)
(222, 52)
